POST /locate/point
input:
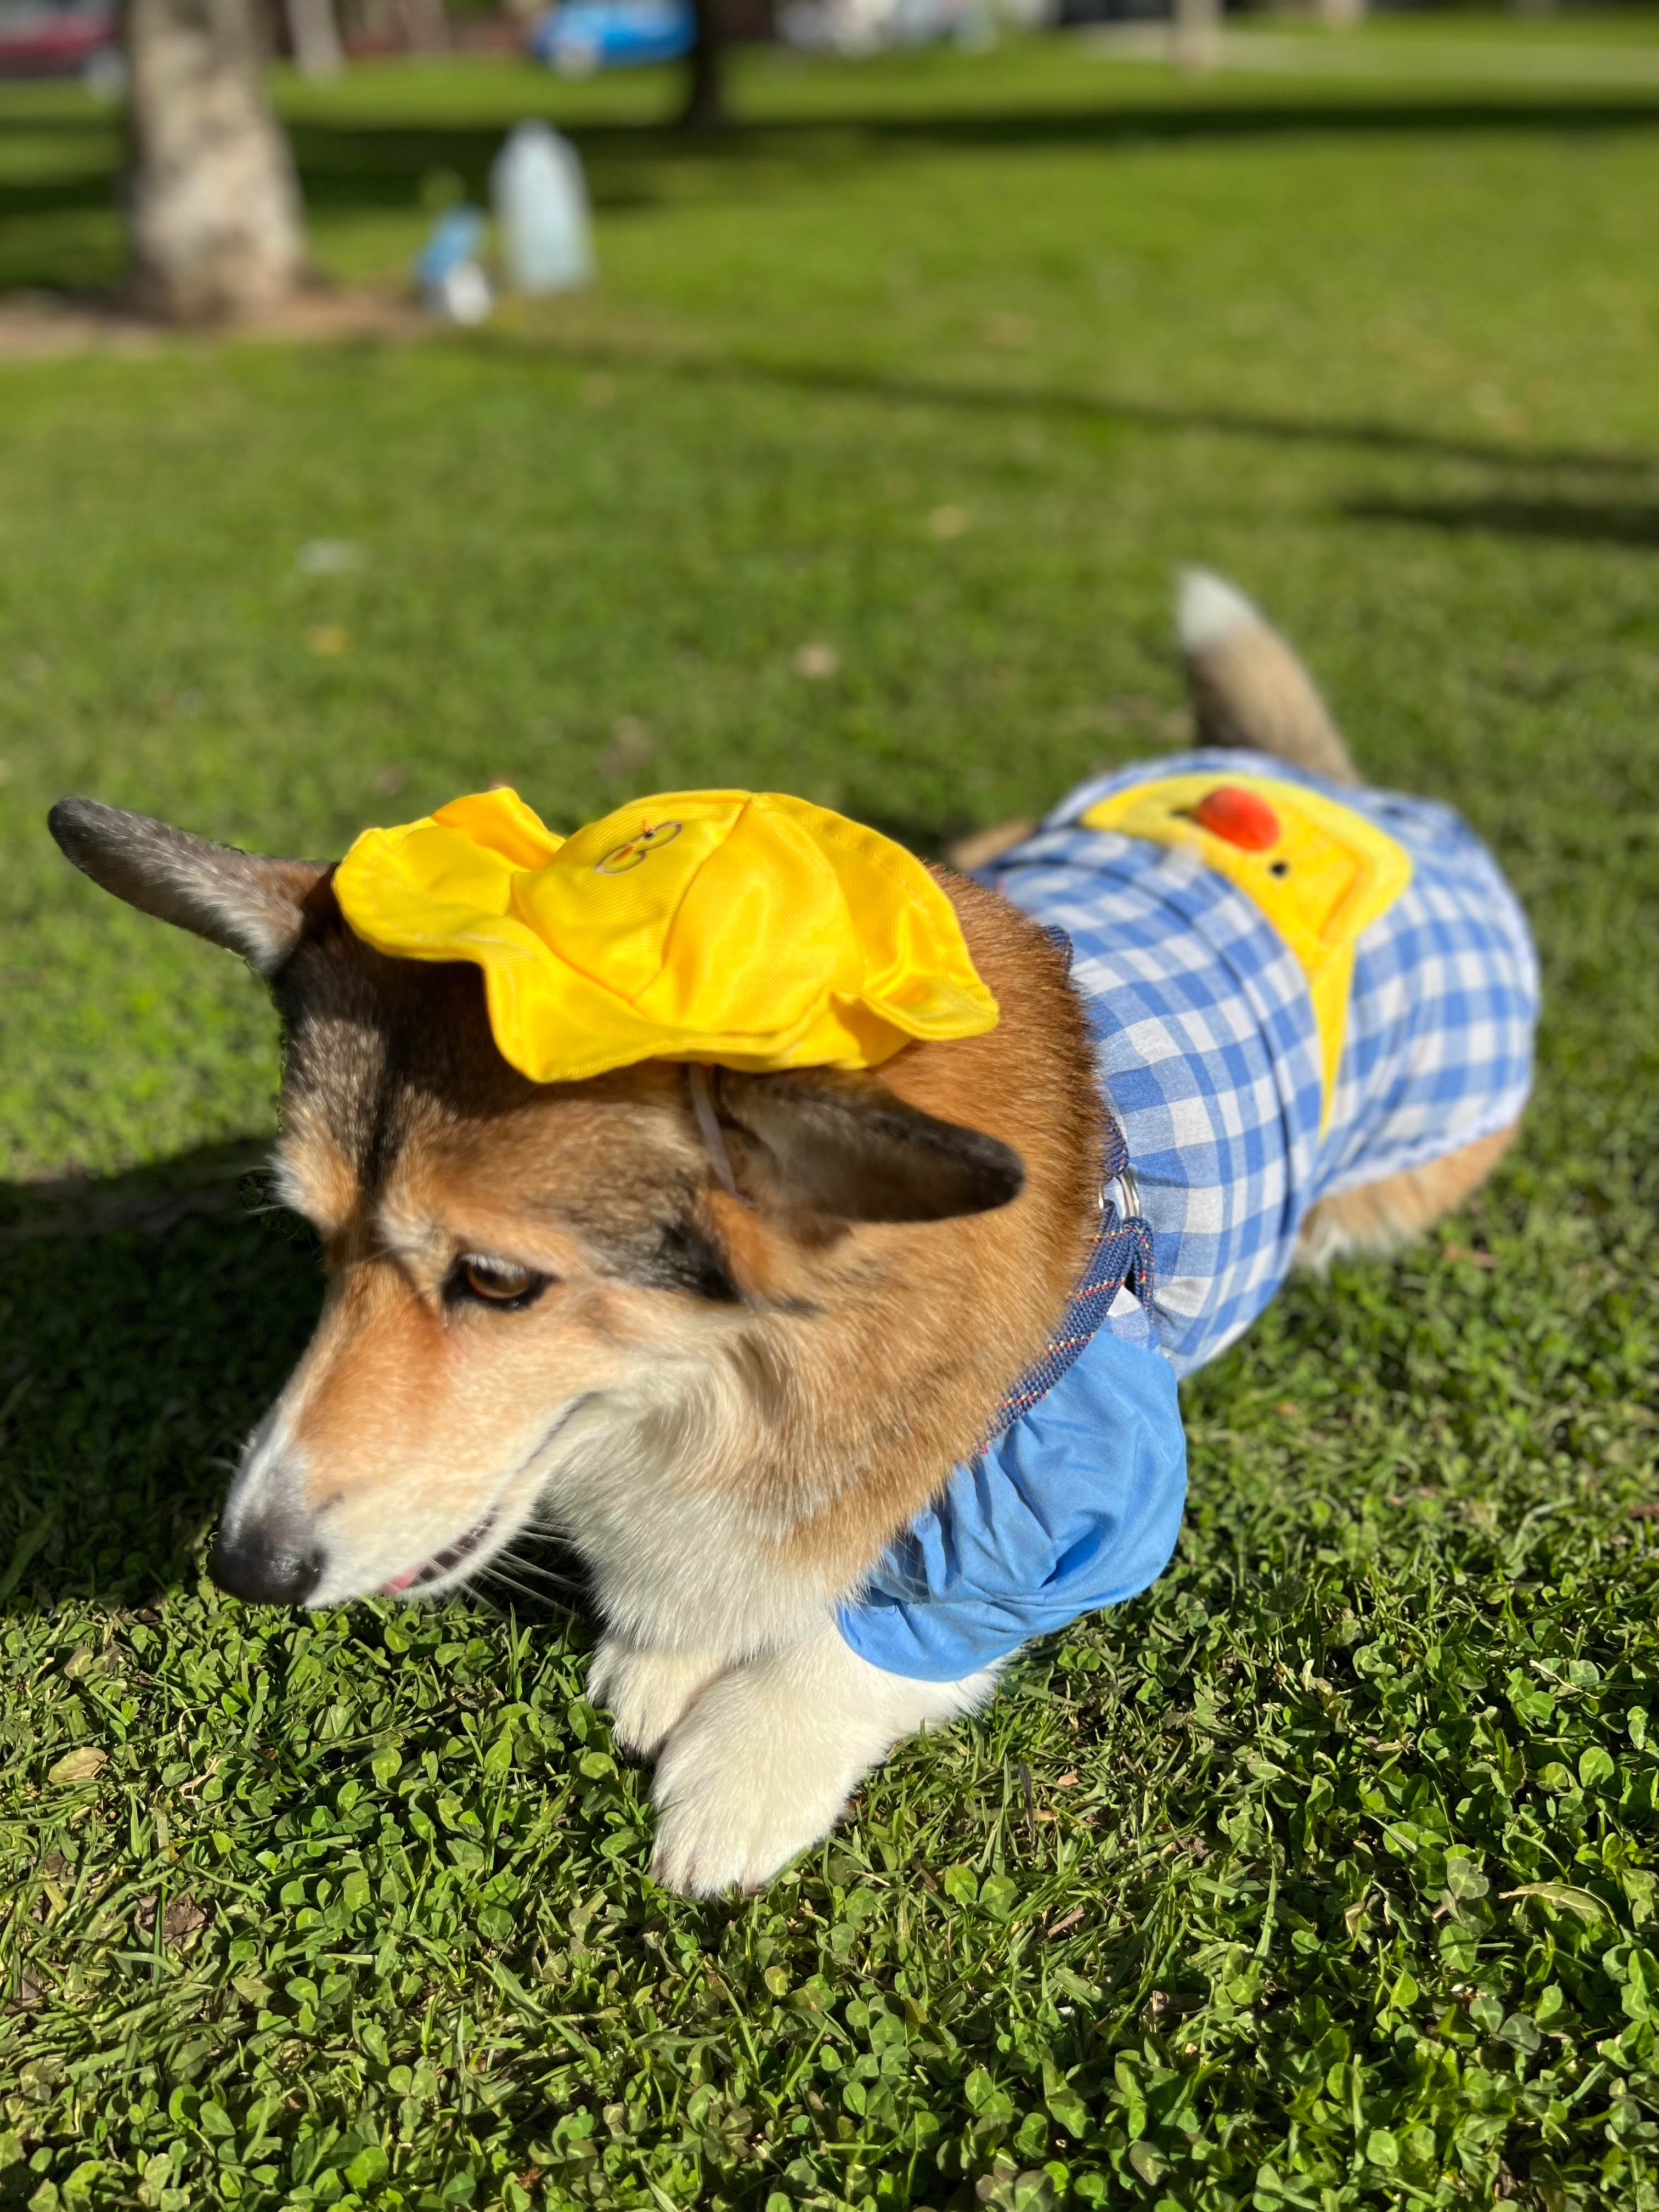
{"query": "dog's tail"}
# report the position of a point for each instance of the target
(1247, 688)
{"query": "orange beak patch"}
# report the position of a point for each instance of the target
(1320, 872)
(1241, 817)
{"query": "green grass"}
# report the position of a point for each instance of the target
(1324, 1875)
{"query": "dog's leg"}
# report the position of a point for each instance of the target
(647, 1692)
(1247, 688)
(1380, 1217)
(765, 1760)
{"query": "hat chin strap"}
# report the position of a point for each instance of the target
(702, 1105)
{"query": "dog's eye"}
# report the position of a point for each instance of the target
(494, 1283)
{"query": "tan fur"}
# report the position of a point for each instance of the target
(313, 1175)
(1250, 690)
(1381, 1216)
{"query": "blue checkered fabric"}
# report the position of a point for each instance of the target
(1209, 1062)
(1207, 1051)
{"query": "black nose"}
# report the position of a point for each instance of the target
(269, 1561)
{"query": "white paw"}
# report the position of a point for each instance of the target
(647, 1692)
(741, 1786)
(763, 1764)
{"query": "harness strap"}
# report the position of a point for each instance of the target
(1122, 1259)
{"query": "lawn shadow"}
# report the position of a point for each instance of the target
(147, 1318)
(1372, 435)
(360, 164)
(367, 163)
(1604, 522)
(1103, 409)
(147, 1321)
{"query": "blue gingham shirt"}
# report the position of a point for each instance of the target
(1208, 1056)
(1209, 1052)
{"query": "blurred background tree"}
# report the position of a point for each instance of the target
(314, 35)
(214, 228)
(705, 105)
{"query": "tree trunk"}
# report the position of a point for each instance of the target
(214, 220)
(315, 38)
(425, 26)
(1195, 34)
(705, 91)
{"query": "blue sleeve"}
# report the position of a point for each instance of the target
(1076, 1506)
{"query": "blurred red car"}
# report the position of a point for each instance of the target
(58, 38)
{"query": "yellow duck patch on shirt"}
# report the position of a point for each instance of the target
(1320, 872)
(740, 927)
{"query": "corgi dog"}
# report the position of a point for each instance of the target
(843, 1383)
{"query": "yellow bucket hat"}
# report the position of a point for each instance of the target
(731, 925)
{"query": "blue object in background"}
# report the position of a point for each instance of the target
(581, 36)
(449, 273)
(456, 237)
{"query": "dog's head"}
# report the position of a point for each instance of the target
(515, 1272)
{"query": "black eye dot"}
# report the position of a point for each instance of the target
(1278, 867)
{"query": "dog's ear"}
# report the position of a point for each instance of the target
(249, 905)
(846, 1146)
